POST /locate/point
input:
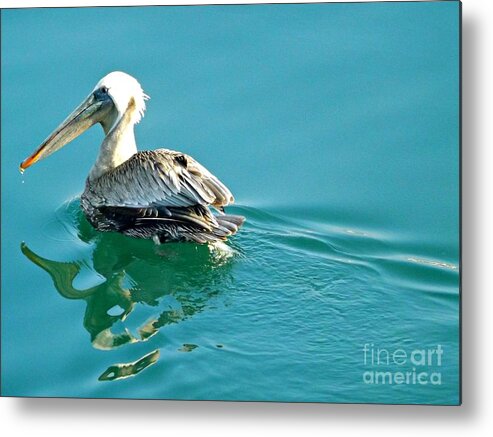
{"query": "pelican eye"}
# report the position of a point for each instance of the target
(101, 93)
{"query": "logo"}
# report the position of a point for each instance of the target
(400, 366)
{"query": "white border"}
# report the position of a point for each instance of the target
(93, 417)
(61, 3)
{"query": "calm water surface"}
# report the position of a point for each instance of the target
(336, 127)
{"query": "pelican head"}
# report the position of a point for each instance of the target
(105, 105)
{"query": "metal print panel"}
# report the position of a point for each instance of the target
(280, 221)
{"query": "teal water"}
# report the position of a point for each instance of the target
(336, 127)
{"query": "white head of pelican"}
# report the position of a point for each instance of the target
(120, 88)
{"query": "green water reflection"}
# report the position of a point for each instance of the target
(138, 273)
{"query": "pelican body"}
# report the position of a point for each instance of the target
(161, 194)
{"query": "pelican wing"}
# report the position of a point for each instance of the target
(160, 178)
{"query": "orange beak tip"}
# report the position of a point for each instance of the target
(27, 163)
(22, 167)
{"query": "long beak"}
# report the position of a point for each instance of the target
(81, 119)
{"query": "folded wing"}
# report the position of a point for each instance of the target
(161, 178)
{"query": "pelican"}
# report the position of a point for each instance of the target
(163, 195)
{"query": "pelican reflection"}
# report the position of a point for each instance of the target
(179, 282)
